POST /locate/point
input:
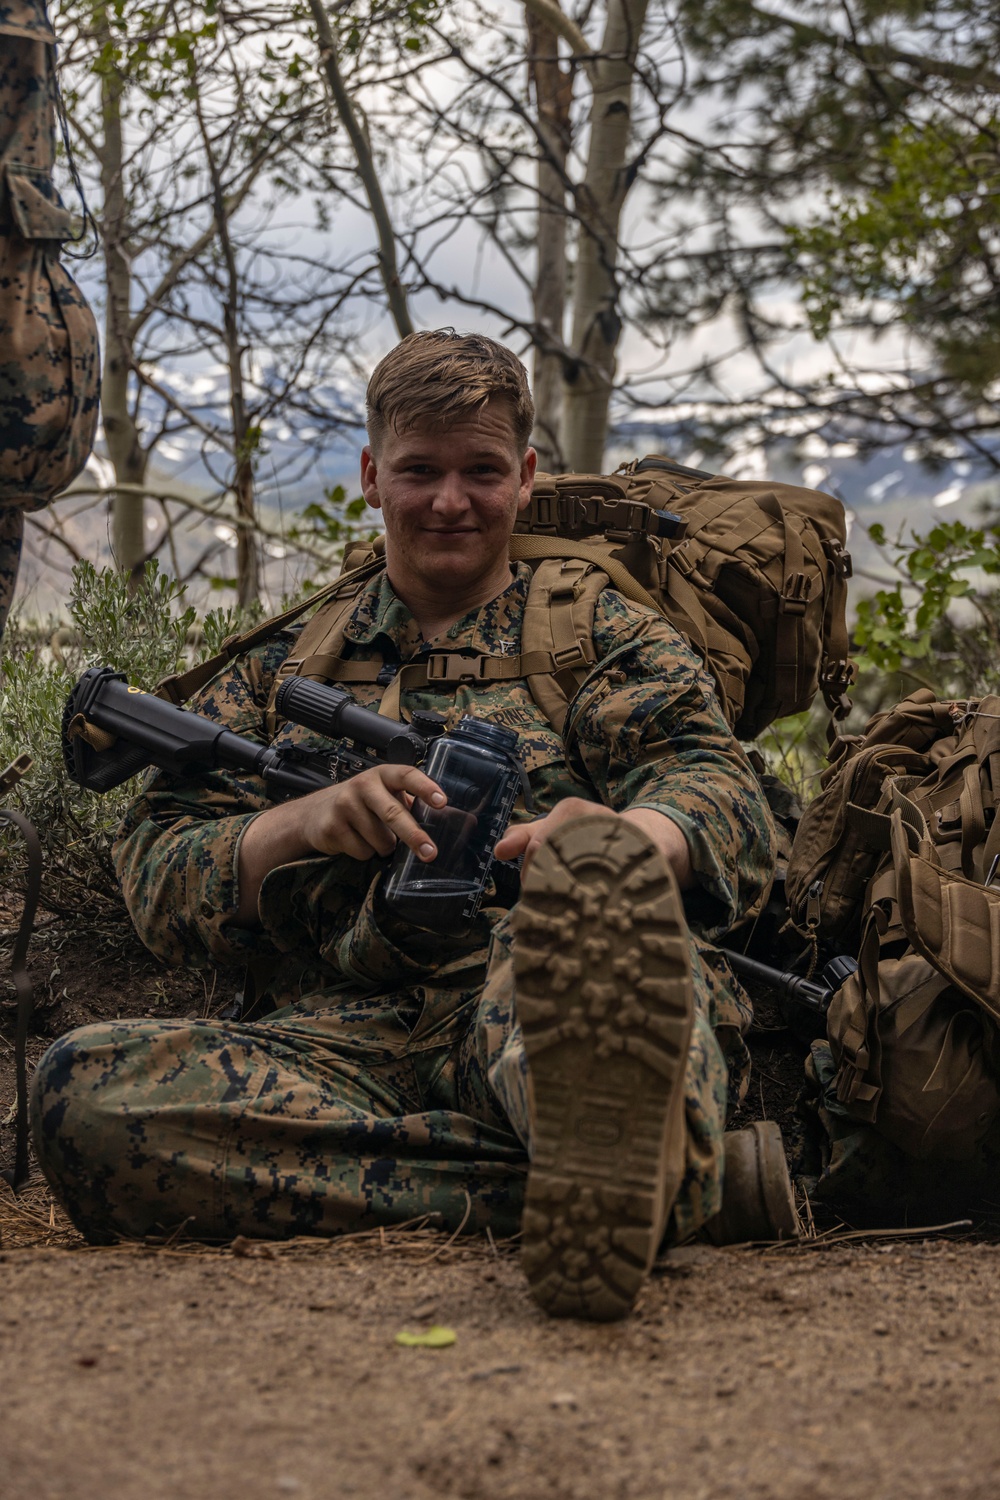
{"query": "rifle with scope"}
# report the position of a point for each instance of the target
(111, 731)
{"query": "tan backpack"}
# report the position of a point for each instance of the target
(756, 580)
(843, 831)
(753, 575)
(911, 813)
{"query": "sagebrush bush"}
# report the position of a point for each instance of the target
(146, 632)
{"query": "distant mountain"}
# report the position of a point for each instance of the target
(891, 486)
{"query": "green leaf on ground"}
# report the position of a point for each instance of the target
(435, 1337)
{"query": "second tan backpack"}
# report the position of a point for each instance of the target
(904, 844)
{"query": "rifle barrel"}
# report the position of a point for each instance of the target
(805, 992)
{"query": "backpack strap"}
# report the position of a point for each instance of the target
(557, 637)
(539, 548)
(180, 686)
(318, 652)
(952, 922)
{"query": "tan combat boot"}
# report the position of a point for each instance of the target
(606, 1005)
(757, 1198)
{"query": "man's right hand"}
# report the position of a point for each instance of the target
(365, 816)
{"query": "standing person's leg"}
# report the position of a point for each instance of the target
(11, 536)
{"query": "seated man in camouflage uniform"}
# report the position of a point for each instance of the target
(567, 1067)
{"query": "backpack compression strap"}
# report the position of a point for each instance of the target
(181, 685)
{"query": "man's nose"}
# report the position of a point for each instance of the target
(450, 494)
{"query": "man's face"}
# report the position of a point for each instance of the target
(449, 499)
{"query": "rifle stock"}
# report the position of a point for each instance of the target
(112, 731)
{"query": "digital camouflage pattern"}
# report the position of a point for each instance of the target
(391, 1081)
(49, 373)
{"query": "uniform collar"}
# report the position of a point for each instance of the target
(492, 629)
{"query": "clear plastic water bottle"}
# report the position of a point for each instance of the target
(475, 767)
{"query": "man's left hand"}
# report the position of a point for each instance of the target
(526, 838)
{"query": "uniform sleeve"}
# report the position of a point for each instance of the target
(646, 730)
(176, 851)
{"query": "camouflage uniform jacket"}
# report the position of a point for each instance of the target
(644, 730)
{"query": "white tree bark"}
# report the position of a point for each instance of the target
(596, 320)
(553, 89)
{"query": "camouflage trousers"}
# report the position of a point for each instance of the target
(373, 1104)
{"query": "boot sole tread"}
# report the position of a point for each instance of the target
(605, 1004)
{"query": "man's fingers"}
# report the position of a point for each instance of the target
(383, 799)
(527, 838)
(514, 841)
(407, 779)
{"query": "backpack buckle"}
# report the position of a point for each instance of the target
(682, 558)
(447, 667)
(796, 596)
(545, 510)
(835, 553)
(571, 656)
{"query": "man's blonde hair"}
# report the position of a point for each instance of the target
(438, 377)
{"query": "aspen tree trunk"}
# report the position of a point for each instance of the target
(596, 323)
(247, 555)
(553, 89)
(128, 537)
(353, 122)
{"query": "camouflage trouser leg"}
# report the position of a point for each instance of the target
(331, 1115)
(309, 1123)
(11, 535)
(711, 1087)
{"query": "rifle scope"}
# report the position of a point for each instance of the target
(333, 713)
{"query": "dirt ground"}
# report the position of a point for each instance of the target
(848, 1365)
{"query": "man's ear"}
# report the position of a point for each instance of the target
(529, 464)
(369, 478)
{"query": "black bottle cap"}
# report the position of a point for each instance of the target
(493, 736)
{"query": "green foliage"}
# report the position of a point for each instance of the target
(848, 172)
(408, 21)
(219, 624)
(912, 625)
(936, 626)
(335, 521)
(923, 234)
(145, 632)
(794, 750)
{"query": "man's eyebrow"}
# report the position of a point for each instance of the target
(426, 455)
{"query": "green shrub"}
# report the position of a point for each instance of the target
(144, 632)
(938, 624)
